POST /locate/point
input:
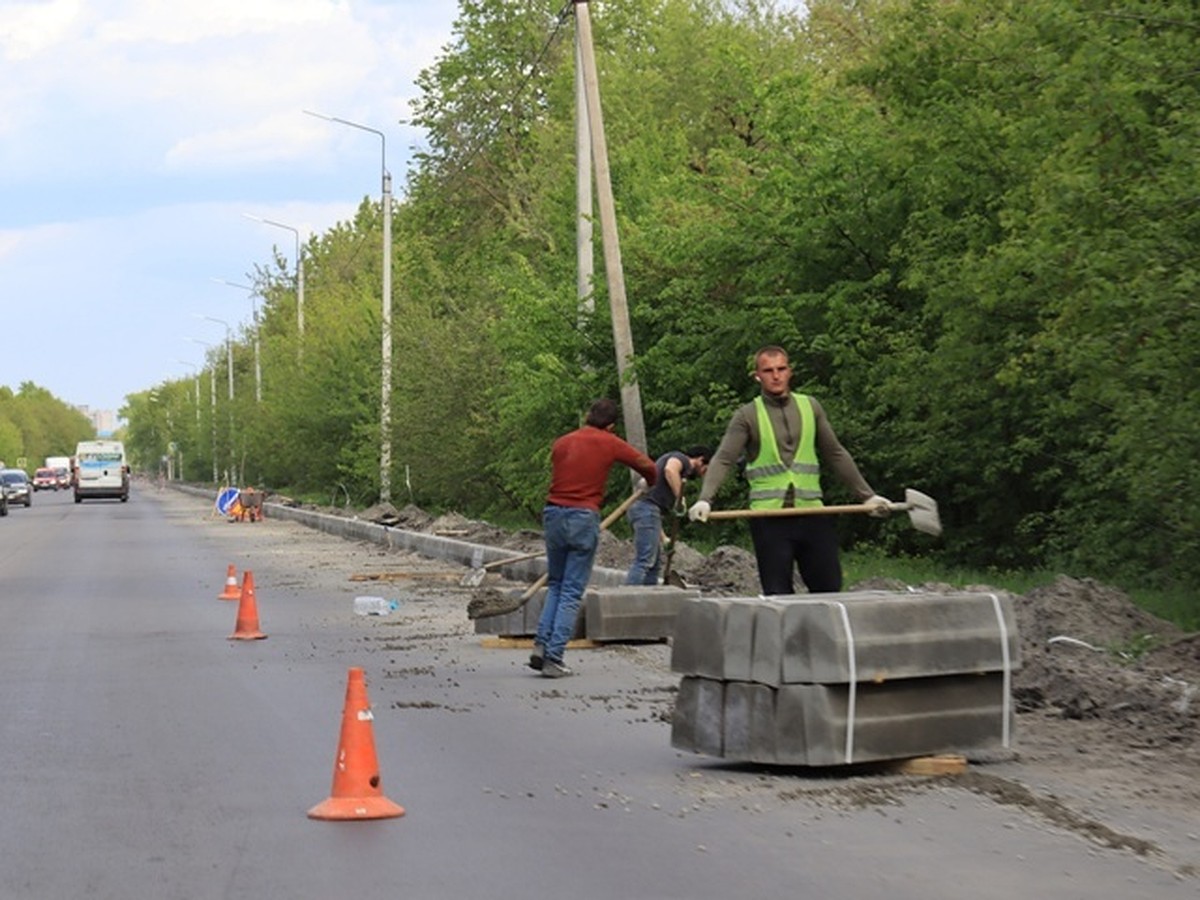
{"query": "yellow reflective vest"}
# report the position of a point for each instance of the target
(769, 478)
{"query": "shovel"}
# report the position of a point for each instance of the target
(671, 542)
(921, 508)
(474, 578)
(520, 601)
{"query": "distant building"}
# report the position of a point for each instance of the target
(103, 420)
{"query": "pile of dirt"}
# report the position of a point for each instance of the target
(1088, 652)
(728, 571)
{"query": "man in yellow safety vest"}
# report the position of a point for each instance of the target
(784, 437)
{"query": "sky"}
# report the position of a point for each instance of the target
(138, 137)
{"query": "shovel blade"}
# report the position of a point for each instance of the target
(676, 580)
(922, 512)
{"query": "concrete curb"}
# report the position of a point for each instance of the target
(464, 553)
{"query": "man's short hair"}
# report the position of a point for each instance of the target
(602, 413)
(701, 451)
(769, 350)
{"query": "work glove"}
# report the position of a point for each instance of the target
(641, 487)
(881, 507)
(699, 511)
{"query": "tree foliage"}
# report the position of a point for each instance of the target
(35, 424)
(973, 224)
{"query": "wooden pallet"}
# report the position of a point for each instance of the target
(942, 764)
(493, 642)
(401, 576)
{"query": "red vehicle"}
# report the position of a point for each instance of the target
(45, 480)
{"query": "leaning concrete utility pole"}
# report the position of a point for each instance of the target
(631, 397)
(585, 263)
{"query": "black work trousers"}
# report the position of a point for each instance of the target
(784, 543)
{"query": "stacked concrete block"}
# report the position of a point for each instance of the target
(621, 613)
(714, 638)
(702, 729)
(845, 678)
(522, 622)
(962, 714)
(634, 612)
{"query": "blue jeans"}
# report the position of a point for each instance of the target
(645, 517)
(572, 536)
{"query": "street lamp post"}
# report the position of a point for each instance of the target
(229, 366)
(196, 380)
(385, 404)
(299, 269)
(196, 404)
(228, 350)
(257, 357)
(212, 383)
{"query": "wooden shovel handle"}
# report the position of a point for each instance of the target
(620, 510)
(795, 511)
(497, 563)
(608, 520)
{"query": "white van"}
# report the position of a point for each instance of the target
(101, 470)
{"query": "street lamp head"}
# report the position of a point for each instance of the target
(290, 228)
(244, 287)
(360, 127)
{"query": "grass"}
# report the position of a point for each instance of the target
(858, 565)
(1178, 606)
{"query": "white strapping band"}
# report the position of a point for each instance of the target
(852, 665)
(1006, 700)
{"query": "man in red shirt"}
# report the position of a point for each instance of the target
(580, 462)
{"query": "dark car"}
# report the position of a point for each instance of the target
(17, 486)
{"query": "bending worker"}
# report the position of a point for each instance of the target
(645, 516)
(784, 437)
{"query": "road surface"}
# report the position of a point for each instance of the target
(146, 755)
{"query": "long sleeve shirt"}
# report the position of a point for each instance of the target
(581, 460)
(742, 438)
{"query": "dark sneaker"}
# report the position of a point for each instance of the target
(537, 658)
(552, 669)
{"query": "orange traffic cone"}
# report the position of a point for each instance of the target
(247, 614)
(232, 591)
(356, 784)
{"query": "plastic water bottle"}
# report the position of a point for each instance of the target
(374, 606)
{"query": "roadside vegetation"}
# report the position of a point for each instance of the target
(972, 223)
(35, 424)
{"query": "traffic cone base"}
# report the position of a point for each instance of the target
(247, 614)
(232, 591)
(357, 792)
(337, 809)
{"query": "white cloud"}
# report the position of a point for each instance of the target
(187, 87)
(135, 133)
(187, 23)
(272, 139)
(27, 29)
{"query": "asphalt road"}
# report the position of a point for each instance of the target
(148, 756)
